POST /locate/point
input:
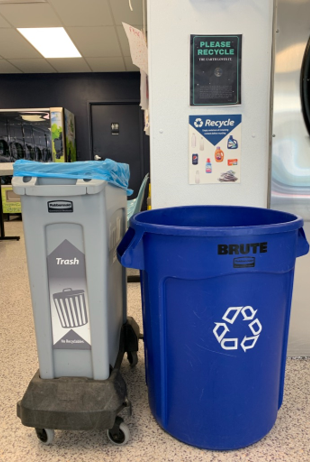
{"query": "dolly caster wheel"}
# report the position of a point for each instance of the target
(132, 357)
(45, 435)
(119, 434)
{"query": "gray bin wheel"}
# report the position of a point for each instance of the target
(132, 357)
(119, 434)
(45, 435)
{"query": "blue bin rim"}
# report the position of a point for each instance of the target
(285, 222)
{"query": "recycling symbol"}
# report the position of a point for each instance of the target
(198, 123)
(221, 329)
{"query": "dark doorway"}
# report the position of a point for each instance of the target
(117, 133)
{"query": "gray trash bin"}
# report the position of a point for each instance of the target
(72, 228)
(78, 288)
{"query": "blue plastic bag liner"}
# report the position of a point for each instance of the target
(113, 172)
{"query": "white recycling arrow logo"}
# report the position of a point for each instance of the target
(221, 329)
(235, 312)
(248, 317)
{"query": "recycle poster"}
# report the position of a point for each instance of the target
(215, 70)
(214, 149)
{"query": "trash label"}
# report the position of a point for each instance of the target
(68, 297)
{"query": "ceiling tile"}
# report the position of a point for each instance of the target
(32, 66)
(3, 22)
(83, 13)
(69, 65)
(8, 68)
(106, 64)
(30, 15)
(95, 42)
(14, 46)
(122, 13)
(130, 66)
(124, 40)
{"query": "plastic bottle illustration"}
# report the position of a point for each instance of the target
(197, 177)
(208, 166)
(219, 154)
(232, 143)
(193, 140)
(202, 145)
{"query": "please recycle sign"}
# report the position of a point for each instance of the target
(238, 314)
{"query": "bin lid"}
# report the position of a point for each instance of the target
(68, 293)
(215, 220)
(56, 187)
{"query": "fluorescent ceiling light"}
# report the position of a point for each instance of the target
(51, 42)
(21, 1)
(32, 118)
(35, 116)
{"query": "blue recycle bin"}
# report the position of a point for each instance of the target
(216, 287)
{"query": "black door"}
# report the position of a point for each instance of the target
(117, 134)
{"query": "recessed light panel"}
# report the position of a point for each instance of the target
(16, 2)
(51, 42)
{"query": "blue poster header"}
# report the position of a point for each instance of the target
(215, 127)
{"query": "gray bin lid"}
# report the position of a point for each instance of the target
(35, 186)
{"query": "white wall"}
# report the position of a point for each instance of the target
(170, 23)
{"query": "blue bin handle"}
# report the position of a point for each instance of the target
(302, 244)
(130, 250)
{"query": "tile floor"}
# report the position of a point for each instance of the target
(288, 441)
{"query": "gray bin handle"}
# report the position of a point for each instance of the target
(32, 187)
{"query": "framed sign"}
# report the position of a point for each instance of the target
(215, 70)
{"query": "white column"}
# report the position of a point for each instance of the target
(170, 24)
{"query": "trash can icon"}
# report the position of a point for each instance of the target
(71, 308)
(216, 286)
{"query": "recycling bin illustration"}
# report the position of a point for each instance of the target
(216, 286)
(78, 288)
